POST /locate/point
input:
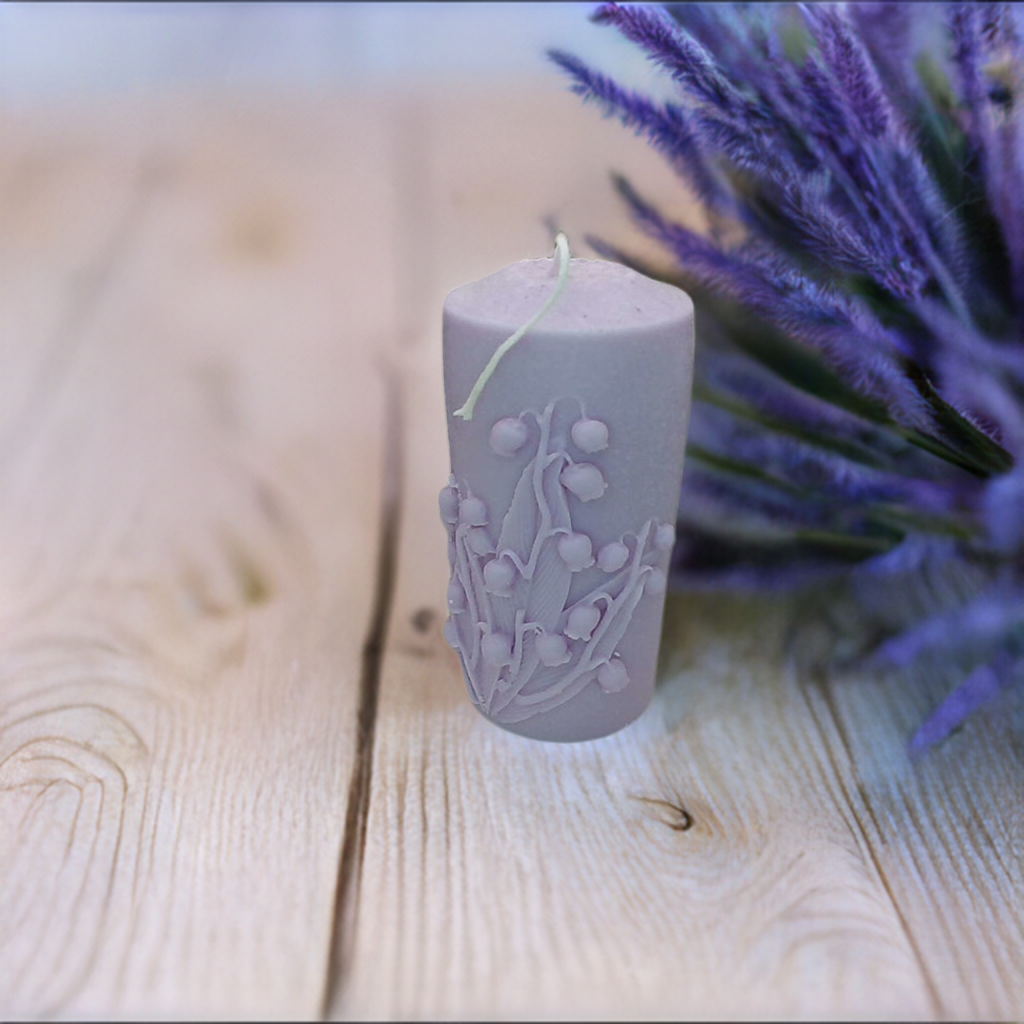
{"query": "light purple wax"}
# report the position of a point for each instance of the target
(561, 505)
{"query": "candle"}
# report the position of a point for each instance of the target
(567, 384)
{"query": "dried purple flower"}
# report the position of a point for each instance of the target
(859, 400)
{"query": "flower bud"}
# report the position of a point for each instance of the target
(448, 503)
(552, 649)
(496, 649)
(456, 596)
(499, 575)
(665, 537)
(508, 436)
(576, 551)
(589, 435)
(612, 676)
(473, 512)
(584, 480)
(582, 622)
(612, 557)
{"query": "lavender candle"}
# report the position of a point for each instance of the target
(567, 384)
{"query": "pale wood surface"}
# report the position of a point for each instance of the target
(219, 394)
(190, 485)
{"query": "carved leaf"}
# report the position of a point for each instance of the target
(521, 524)
(551, 579)
(615, 624)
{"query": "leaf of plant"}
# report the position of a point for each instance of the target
(549, 588)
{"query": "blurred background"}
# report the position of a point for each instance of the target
(446, 119)
(59, 50)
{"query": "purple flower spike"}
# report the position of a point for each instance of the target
(859, 386)
(981, 687)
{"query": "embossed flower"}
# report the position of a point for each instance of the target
(508, 436)
(665, 537)
(584, 480)
(478, 541)
(582, 622)
(456, 596)
(589, 435)
(451, 634)
(576, 551)
(612, 676)
(473, 512)
(655, 583)
(448, 503)
(612, 557)
(552, 649)
(499, 575)
(496, 649)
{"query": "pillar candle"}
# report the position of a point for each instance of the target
(564, 488)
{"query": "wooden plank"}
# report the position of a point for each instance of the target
(189, 512)
(756, 846)
(945, 833)
(55, 249)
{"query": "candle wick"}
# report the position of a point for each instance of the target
(562, 249)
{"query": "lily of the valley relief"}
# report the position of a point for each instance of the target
(525, 647)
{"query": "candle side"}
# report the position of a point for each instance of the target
(564, 492)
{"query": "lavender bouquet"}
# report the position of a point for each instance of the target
(859, 400)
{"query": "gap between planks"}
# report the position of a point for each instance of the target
(353, 846)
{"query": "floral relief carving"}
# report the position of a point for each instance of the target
(526, 643)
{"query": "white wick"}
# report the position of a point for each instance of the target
(562, 249)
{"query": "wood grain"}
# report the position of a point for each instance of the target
(191, 488)
(756, 846)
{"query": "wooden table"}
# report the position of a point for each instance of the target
(238, 772)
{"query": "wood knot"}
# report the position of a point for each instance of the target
(685, 821)
(423, 619)
(671, 813)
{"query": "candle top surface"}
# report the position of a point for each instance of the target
(599, 295)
